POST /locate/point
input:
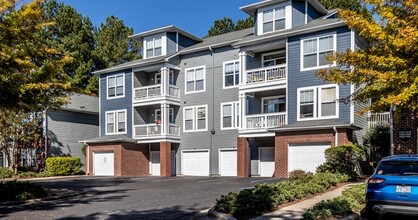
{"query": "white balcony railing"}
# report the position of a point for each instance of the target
(266, 74)
(154, 91)
(264, 121)
(150, 130)
(382, 119)
(174, 130)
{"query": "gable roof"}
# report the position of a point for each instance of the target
(252, 8)
(169, 28)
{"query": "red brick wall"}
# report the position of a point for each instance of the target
(243, 157)
(165, 158)
(406, 120)
(135, 160)
(283, 139)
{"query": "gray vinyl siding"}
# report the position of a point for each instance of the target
(213, 97)
(66, 128)
(361, 121)
(312, 13)
(255, 23)
(298, 79)
(116, 103)
(185, 42)
(171, 42)
(298, 13)
(253, 62)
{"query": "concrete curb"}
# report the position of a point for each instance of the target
(218, 215)
(354, 216)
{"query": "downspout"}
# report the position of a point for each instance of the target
(336, 136)
(213, 106)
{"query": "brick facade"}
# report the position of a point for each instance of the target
(130, 159)
(243, 158)
(283, 139)
(406, 120)
(165, 158)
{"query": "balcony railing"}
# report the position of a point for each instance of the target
(376, 119)
(266, 74)
(264, 121)
(150, 130)
(147, 92)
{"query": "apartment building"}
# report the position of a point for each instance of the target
(245, 103)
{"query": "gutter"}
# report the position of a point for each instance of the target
(351, 126)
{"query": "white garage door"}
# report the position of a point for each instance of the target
(195, 163)
(155, 168)
(266, 165)
(228, 162)
(306, 157)
(103, 164)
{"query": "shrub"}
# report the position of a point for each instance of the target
(5, 173)
(20, 191)
(343, 159)
(63, 166)
(351, 200)
(43, 174)
(27, 174)
(226, 202)
(296, 174)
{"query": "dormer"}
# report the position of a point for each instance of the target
(164, 41)
(276, 15)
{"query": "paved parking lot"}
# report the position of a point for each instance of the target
(130, 198)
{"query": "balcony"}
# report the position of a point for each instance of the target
(154, 93)
(379, 119)
(265, 76)
(154, 130)
(265, 121)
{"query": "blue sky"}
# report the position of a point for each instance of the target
(194, 16)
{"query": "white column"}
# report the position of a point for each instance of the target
(164, 80)
(243, 112)
(243, 67)
(165, 118)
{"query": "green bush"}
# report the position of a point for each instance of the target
(351, 200)
(5, 173)
(296, 174)
(249, 203)
(343, 159)
(20, 191)
(27, 174)
(63, 166)
(43, 174)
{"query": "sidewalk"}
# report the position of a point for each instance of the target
(297, 210)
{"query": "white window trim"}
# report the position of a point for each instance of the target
(334, 48)
(270, 97)
(115, 112)
(317, 103)
(288, 17)
(235, 113)
(107, 86)
(239, 73)
(159, 110)
(163, 45)
(271, 53)
(204, 79)
(195, 107)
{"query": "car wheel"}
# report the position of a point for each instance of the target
(371, 215)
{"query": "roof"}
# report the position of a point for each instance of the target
(252, 8)
(169, 28)
(316, 125)
(109, 139)
(218, 41)
(83, 103)
(402, 157)
(316, 25)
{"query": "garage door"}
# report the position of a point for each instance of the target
(103, 164)
(306, 157)
(228, 162)
(266, 161)
(155, 168)
(195, 163)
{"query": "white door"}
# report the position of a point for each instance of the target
(228, 162)
(306, 157)
(266, 165)
(155, 163)
(103, 164)
(195, 163)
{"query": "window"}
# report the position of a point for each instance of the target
(274, 104)
(116, 122)
(115, 86)
(195, 79)
(158, 115)
(170, 78)
(230, 115)
(154, 47)
(274, 19)
(272, 59)
(195, 118)
(231, 73)
(318, 102)
(316, 50)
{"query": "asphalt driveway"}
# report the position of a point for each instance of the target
(130, 198)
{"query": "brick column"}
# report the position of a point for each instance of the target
(280, 157)
(165, 158)
(243, 158)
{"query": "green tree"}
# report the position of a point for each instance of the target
(386, 71)
(221, 26)
(354, 5)
(244, 23)
(31, 69)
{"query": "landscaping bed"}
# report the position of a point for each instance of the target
(21, 191)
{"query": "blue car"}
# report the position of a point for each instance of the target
(393, 188)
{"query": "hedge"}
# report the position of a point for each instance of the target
(351, 200)
(5, 173)
(63, 166)
(21, 191)
(250, 203)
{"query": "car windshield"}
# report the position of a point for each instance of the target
(398, 168)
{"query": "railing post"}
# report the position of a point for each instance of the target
(242, 111)
(243, 67)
